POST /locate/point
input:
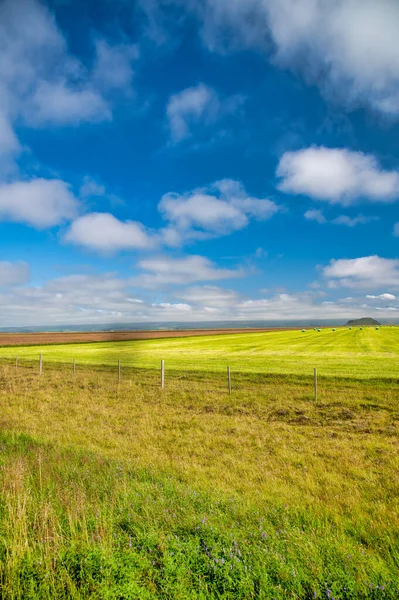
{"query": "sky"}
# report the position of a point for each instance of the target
(198, 160)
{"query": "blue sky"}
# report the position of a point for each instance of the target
(197, 160)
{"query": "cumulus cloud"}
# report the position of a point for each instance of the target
(317, 215)
(107, 298)
(40, 203)
(105, 233)
(198, 105)
(55, 103)
(9, 143)
(353, 221)
(350, 48)
(337, 175)
(367, 272)
(220, 209)
(12, 274)
(42, 83)
(113, 69)
(210, 296)
(388, 297)
(163, 271)
(219, 303)
(10, 147)
(90, 187)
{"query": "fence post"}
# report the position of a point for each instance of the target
(162, 373)
(74, 366)
(16, 363)
(315, 384)
(41, 364)
(229, 379)
(119, 371)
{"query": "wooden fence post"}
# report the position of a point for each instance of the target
(16, 363)
(162, 373)
(229, 379)
(315, 384)
(119, 371)
(74, 366)
(41, 364)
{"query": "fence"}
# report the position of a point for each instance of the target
(232, 381)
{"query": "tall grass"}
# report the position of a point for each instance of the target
(129, 491)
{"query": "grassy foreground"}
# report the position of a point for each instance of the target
(356, 353)
(129, 491)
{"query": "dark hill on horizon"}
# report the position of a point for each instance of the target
(363, 322)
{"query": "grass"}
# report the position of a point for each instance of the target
(129, 491)
(343, 353)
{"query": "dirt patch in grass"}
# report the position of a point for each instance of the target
(40, 338)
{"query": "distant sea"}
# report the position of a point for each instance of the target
(176, 326)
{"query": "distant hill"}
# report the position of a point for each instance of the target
(362, 322)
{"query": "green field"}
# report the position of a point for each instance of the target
(356, 353)
(126, 491)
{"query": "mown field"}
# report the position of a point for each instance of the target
(356, 353)
(124, 490)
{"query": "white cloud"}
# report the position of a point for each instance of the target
(317, 215)
(42, 83)
(164, 271)
(105, 233)
(202, 211)
(113, 69)
(36, 69)
(168, 305)
(57, 103)
(107, 298)
(220, 209)
(40, 203)
(209, 296)
(9, 143)
(299, 306)
(352, 47)
(90, 188)
(337, 175)
(367, 272)
(388, 297)
(353, 221)
(199, 105)
(10, 147)
(12, 274)
(348, 47)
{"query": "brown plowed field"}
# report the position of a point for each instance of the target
(37, 339)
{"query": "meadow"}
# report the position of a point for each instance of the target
(356, 353)
(125, 490)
